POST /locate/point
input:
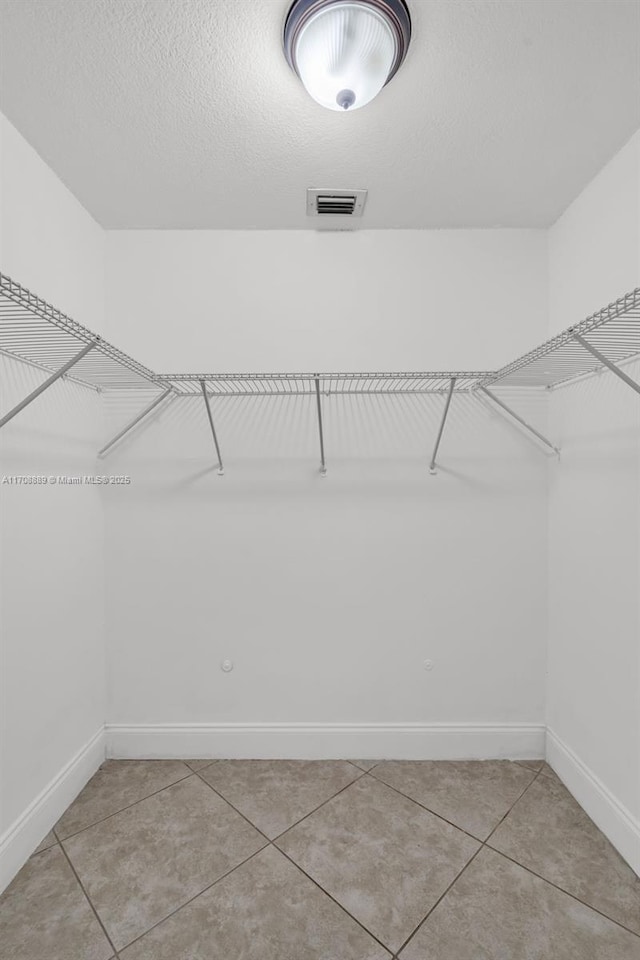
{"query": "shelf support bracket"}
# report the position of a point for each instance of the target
(432, 465)
(519, 419)
(323, 465)
(48, 382)
(136, 420)
(213, 429)
(607, 363)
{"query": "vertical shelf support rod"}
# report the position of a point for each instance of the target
(52, 379)
(607, 363)
(147, 410)
(213, 429)
(524, 423)
(432, 465)
(323, 467)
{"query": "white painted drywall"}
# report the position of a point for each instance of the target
(593, 247)
(327, 594)
(594, 508)
(51, 545)
(303, 300)
(48, 242)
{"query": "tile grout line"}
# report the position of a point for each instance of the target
(337, 902)
(122, 809)
(324, 802)
(291, 860)
(89, 900)
(523, 764)
(195, 897)
(268, 843)
(428, 809)
(455, 826)
(235, 809)
(363, 773)
(439, 900)
(478, 851)
(538, 875)
(376, 764)
(517, 800)
(211, 762)
(195, 773)
(540, 771)
(485, 843)
(60, 843)
(562, 890)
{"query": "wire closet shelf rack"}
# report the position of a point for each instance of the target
(604, 339)
(34, 332)
(304, 384)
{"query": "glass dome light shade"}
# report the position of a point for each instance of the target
(345, 51)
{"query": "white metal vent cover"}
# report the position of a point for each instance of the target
(335, 203)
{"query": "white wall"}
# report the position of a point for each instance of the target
(305, 300)
(48, 242)
(327, 594)
(594, 517)
(51, 543)
(593, 247)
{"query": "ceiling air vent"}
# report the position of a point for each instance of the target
(335, 203)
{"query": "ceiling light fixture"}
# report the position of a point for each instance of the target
(345, 51)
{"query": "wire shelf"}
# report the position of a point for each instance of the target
(304, 384)
(33, 331)
(614, 331)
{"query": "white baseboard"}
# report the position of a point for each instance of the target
(314, 741)
(403, 741)
(616, 822)
(23, 836)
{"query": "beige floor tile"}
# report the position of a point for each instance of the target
(473, 794)
(264, 910)
(144, 862)
(549, 832)
(547, 771)
(44, 915)
(199, 764)
(116, 785)
(275, 794)
(498, 911)
(45, 843)
(385, 859)
(531, 764)
(365, 764)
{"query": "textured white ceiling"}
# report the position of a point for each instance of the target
(184, 113)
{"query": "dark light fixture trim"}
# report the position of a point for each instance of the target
(394, 13)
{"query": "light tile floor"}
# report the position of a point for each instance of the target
(323, 860)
